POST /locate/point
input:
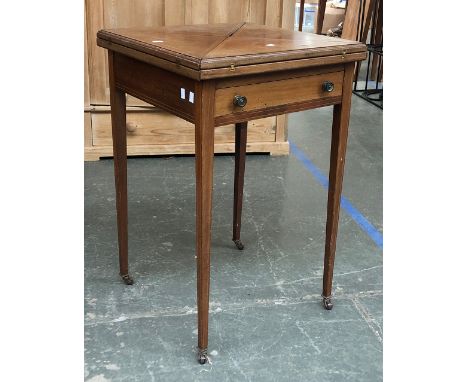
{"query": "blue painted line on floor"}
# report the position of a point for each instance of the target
(365, 225)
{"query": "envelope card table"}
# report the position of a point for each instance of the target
(212, 75)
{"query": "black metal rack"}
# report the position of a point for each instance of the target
(371, 92)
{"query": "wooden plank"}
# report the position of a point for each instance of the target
(368, 11)
(148, 13)
(196, 11)
(288, 14)
(161, 128)
(131, 13)
(273, 148)
(351, 21)
(257, 11)
(227, 11)
(98, 79)
(281, 128)
(218, 12)
(86, 68)
(273, 13)
(238, 11)
(174, 12)
(88, 134)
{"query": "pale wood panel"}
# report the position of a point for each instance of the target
(257, 11)
(174, 12)
(351, 21)
(97, 59)
(134, 13)
(274, 148)
(273, 13)
(88, 134)
(196, 11)
(288, 14)
(228, 11)
(159, 128)
(281, 128)
(86, 68)
(238, 11)
(217, 12)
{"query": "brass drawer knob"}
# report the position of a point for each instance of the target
(240, 101)
(131, 127)
(328, 86)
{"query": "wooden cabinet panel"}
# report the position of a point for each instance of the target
(86, 69)
(160, 128)
(88, 134)
(131, 13)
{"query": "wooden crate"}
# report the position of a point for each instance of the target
(151, 131)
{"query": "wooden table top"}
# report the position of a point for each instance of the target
(212, 48)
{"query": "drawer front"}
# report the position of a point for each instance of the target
(274, 94)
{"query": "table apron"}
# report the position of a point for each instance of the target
(269, 97)
(156, 86)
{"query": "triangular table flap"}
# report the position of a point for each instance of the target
(187, 42)
(269, 44)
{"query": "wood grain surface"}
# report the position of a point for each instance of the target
(339, 139)
(204, 152)
(228, 46)
(275, 93)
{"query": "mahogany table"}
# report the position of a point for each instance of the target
(213, 75)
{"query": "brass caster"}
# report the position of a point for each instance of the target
(327, 303)
(127, 279)
(239, 244)
(202, 356)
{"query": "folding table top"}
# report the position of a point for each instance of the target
(223, 50)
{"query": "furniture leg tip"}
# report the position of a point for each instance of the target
(239, 244)
(202, 356)
(327, 303)
(127, 279)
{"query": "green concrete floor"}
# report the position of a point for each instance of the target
(267, 322)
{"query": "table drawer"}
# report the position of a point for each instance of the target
(274, 94)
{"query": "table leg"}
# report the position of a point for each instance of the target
(119, 140)
(337, 162)
(204, 153)
(241, 146)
